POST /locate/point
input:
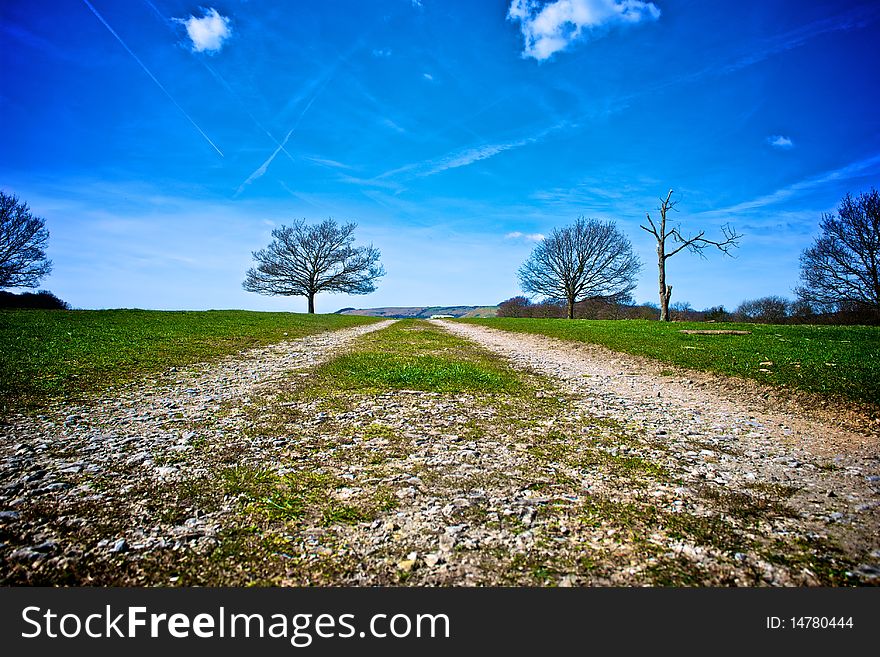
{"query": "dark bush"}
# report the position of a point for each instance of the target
(43, 299)
(716, 314)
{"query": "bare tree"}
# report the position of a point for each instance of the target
(515, 307)
(695, 244)
(23, 239)
(303, 260)
(766, 310)
(588, 260)
(841, 268)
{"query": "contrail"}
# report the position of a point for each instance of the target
(265, 165)
(152, 77)
(244, 106)
(219, 78)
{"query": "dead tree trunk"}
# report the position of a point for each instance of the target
(665, 290)
(695, 244)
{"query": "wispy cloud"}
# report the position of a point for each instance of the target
(428, 77)
(371, 182)
(326, 162)
(780, 43)
(552, 27)
(848, 20)
(381, 53)
(150, 74)
(587, 196)
(208, 32)
(31, 40)
(528, 237)
(470, 155)
(852, 170)
(388, 123)
(781, 142)
(264, 167)
(467, 156)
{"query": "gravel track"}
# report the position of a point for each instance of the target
(691, 414)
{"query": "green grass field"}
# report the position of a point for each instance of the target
(412, 354)
(50, 354)
(841, 361)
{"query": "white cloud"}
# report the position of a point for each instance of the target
(528, 237)
(208, 32)
(428, 77)
(381, 52)
(549, 28)
(779, 141)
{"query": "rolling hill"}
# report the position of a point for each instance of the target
(421, 312)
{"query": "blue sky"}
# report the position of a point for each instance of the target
(162, 141)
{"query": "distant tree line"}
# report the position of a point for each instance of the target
(765, 310)
(589, 309)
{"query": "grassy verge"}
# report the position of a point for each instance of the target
(66, 354)
(414, 355)
(841, 361)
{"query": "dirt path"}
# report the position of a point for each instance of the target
(248, 471)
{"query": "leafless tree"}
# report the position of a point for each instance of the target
(766, 310)
(588, 260)
(842, 267)
(23, 239)
(695, 244)
(303, 260)
(515, 307)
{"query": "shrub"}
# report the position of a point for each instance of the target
(43, 299)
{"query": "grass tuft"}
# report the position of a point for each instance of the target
(414, 355)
